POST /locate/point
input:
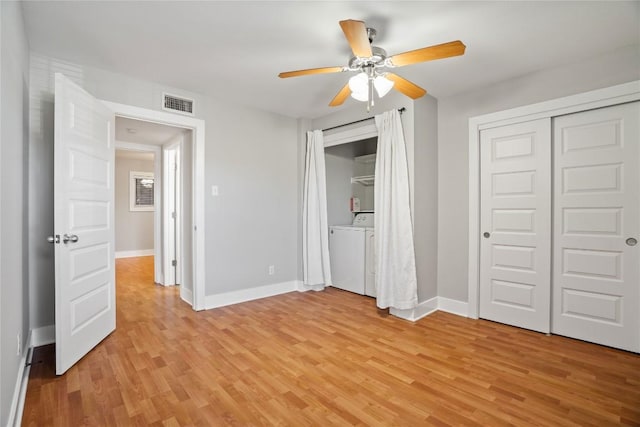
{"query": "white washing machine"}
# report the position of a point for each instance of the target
(351, 253)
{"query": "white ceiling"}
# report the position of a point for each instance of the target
(141, 132)
(233, 51)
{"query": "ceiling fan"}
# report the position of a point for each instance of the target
(371, 64)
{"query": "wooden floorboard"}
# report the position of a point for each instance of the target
(320, 359)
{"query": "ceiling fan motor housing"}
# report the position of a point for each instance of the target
(377, 59)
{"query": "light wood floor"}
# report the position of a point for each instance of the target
(324, 358)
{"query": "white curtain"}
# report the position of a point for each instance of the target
(315, 231)
(396, 282)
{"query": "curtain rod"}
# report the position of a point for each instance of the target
(400, 110)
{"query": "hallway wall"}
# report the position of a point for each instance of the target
(134, 229)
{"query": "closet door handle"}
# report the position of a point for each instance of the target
(631, 241)
(486, 234)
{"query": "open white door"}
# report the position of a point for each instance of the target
(83, 202)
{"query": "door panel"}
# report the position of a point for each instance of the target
(83, 204)
(515, 212)
(171, 216)
(596, 275)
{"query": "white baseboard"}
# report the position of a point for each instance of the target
(37, 337)
(418, 312)
(186, 295)
(43, 336)
(453, 306)
(133, 254)
(20, 390)
(432, 305)
(244, 295)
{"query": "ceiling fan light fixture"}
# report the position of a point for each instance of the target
(359, 85)
(383, 85)
(360, 96)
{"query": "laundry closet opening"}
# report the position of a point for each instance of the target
(350, 170)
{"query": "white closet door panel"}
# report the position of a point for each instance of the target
(515, 211)
(596, 275)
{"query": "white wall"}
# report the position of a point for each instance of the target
(453, 145)
(303, 126)
(250, 154)
(134, 230)
(253, 222)
(425, 219)
(14, 107)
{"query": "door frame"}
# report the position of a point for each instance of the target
(158, 276)
(619, 94)
(175, 191)
(197, 126)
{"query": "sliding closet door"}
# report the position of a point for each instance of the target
(515, 221)
(596, 278)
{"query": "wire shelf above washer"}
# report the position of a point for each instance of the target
(366, 180)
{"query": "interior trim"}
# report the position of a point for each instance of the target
(364, 131)
(199, 195)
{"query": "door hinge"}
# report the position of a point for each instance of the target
(173, 215)
(174, 263)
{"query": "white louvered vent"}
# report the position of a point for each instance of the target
(177, 104)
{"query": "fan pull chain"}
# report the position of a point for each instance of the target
(370, 101)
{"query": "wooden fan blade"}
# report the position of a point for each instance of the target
(404, 86)
(430, 53)
(356, 34)
(341, 96)
(311, 71)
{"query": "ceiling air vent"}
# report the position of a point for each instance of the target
(177, 104)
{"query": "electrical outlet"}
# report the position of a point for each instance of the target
(19, 339)
(272, 270)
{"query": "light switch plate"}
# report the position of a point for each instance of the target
(214, 190)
